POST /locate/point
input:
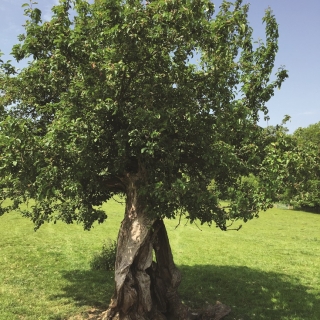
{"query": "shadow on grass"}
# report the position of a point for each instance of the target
(88, 288)
(315, 210)
(252, 294)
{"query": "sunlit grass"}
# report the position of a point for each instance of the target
(267, 270)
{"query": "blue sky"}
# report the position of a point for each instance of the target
(299, 51)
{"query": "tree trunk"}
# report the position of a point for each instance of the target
(144, 289)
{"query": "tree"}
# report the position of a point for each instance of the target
(308, 134)
(299, 157)
(112, 103)
(305, 191)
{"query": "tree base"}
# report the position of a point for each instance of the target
(149, 289)
(210, 312)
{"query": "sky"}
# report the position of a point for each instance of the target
(299, 51)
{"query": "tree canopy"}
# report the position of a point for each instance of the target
(114, 91)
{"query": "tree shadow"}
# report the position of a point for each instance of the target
(315, 210)
(87, 287)
(252, 294)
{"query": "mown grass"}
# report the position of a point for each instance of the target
(267, 270)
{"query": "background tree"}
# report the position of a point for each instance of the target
(308, 134)
(305, 191)
(274, 145)
(111, 103)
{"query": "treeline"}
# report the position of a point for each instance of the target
(299, 163)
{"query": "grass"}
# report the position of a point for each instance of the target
(267, 270)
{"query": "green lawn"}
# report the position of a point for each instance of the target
(270, 269)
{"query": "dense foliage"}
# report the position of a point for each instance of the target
(305, 191)
(114, 91)
(308, 134)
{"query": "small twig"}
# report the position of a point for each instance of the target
(232, 222)
(197, 226)
(179, 221)
(117, 200)
(235, 229)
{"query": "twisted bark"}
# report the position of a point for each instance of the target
(144, 289)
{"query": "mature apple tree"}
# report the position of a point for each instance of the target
(151, 100)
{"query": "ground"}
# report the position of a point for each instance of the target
(210, 312)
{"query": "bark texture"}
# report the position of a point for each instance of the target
(144, 289)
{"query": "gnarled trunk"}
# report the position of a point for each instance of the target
(144, 289)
